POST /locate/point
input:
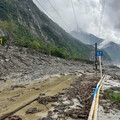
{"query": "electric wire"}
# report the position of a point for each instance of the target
(75, 15)
(79, 2)
(44, 9)
(101, 18)
(57, 13)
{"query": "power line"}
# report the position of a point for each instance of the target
(101, 18)
(79, 2)
(57, 13)
(44, 9)
(75, 15)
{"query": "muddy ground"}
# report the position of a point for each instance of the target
(25, 74)
(69, 103)
(13, 97)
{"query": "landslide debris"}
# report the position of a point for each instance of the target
(74, 102)
(32, 111)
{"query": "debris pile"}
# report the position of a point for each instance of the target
(45, 100)
(82, 90)
(15, 118)
(75, 102)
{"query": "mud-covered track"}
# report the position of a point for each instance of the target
(18, 109)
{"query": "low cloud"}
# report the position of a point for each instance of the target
(88, 16)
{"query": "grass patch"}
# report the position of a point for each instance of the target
(112, 96)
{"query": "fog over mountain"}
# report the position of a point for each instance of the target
(88, 14)
(86, 38)
(113, 51)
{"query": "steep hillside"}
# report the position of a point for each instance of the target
(90, 39)
(86, 38)
(25, 25)
(113, 51)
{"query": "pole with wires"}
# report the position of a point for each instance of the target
(95, 56)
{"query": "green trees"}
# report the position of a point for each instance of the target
(9, 28)
(25, 25)
(35, 45)
(59, 52)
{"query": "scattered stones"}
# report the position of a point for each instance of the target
(73, 103)
(33, 65)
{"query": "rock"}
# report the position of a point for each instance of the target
(55, 110)
(49, 113)
(45, 100)
(6, 60)
(17, 86)
(11, 99)
(47, 118)
(15, 118)
(32, 111)
(36, 88)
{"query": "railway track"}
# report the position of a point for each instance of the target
(18, 109)
(50, 87)
(84, 98)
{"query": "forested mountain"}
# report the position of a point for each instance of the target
(25, 25)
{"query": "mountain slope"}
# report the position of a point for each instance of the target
(113, 51)
(86, 38)
(25, 25)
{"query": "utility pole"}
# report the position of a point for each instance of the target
(95, 56)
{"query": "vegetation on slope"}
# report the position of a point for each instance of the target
(25, 25)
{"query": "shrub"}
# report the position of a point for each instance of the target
(112, 96)
(59, 52)
(34, 45)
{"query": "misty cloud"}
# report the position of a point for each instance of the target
(88, 16)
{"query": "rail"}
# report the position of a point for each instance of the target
(18, 109)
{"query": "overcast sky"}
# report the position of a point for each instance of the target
(89, 15)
